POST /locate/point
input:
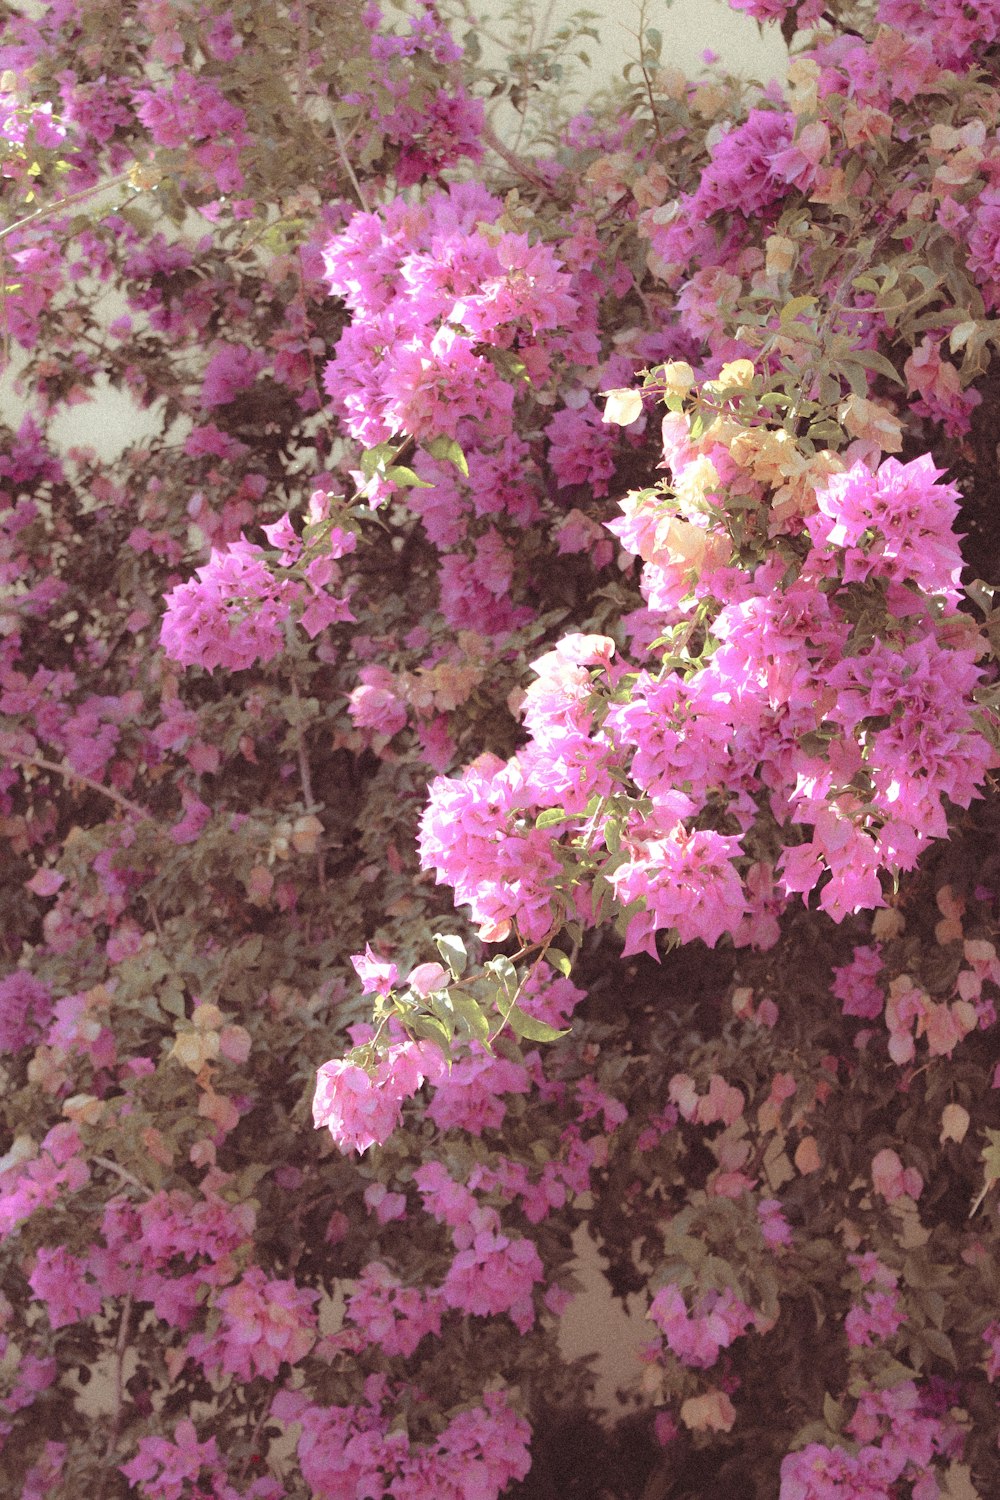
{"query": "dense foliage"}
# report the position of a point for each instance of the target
(528, 710)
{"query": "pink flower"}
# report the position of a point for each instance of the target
(495, 1275)
(58, 1280)
(426, 978)
(387, 1313)
(164, 1470)
(744, 172)
(696, 1338)
(582, 447)
(362, 1109)
(855, 987)
(377, 975)
(231, 370)
(374, 703)
(891, 1180)
(877, 1318)
(470, 1098)
(263, 1324)
(686, 881)
(896, 523)
(991, 1338)
(774, 1227)
(25, 1008)
(232, 614)
(386, 1206)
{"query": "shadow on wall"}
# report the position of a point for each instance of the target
(596, 1323)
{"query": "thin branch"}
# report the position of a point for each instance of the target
(112, 1166)
(302, 81)
(305, 775)
(476, 24)
(545, 946)
(516, 163)
(645, 72)
(322, 408)
(69, 775)
(80, 197)
(116, 1421)
(342, 153)
(252, 1450)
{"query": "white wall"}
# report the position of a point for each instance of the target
(687, 27)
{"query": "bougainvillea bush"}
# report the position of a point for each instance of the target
(510, 756)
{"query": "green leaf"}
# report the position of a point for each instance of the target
(872, 360)
(434, 1029)
(940, 1344)
(406, 478)
(445, 448)
(560, 960)
(373, 459)
(471, 1014)
(981, 594)
(574, 931)
(961, 334)
(990, 1156)
(502, 970)
(827, 429)
(173, 1002)
(452, 950)
(531, 1030)
(833, 1413)
(791, 309)
(550, 817)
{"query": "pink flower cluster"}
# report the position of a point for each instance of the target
(190, 111)
(25, 1008)
(697, 1337)
(500, 869)
(684, 880)
(264, 1324)
(896, 524)
(891, 1180)
(911, 1013)
(879, 1315)
(783, 713)
(426, 289)
(899, 1440)
(173, 1470)
(361, 1108)
(937, 384)
(167, 1250)
(233, 613)
(432, 135)
(492, 1273)
(231, 370)
(443, 307)
(164, 1469)
(350, 1450)
(855, 984)
(389, 1314)
(59, 1280)
(59, 1167)
(470, 1097)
